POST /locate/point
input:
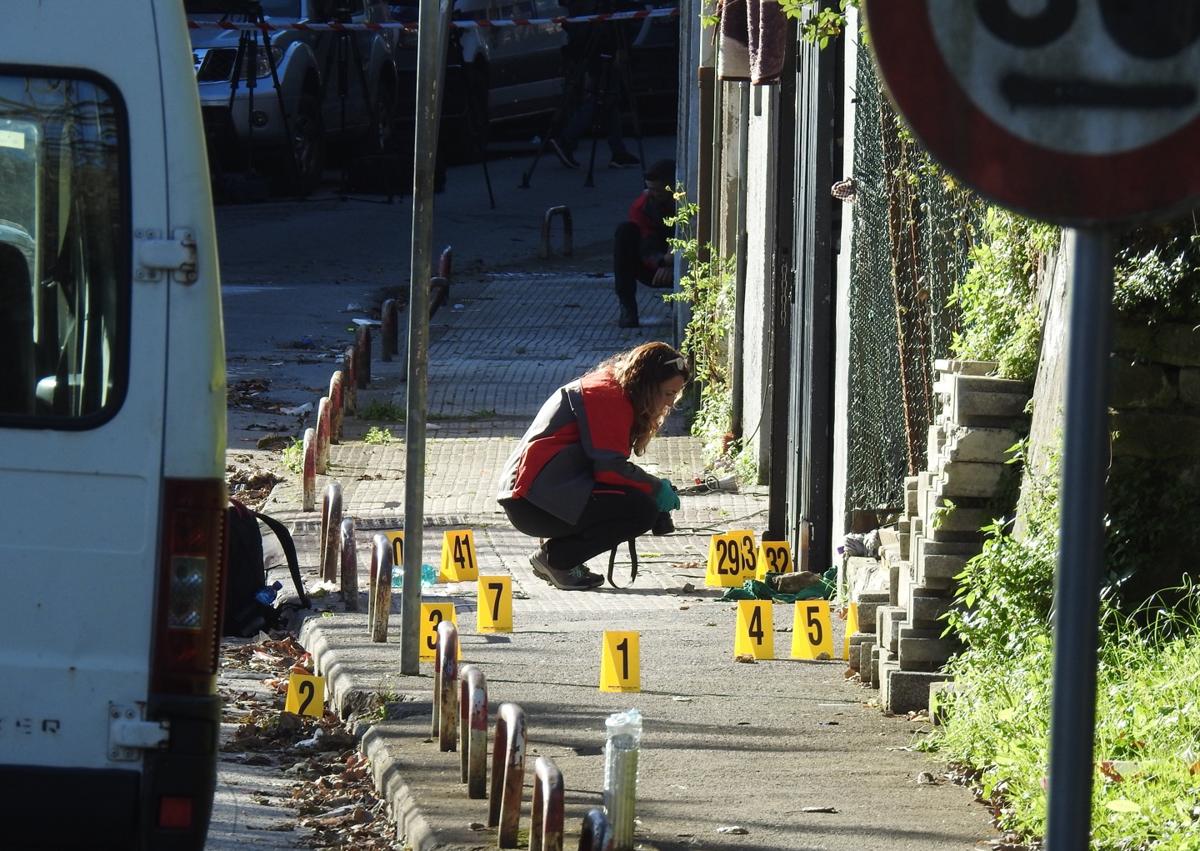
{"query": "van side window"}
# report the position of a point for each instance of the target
(64, 279)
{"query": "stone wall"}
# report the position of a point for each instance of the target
(1155, 420)
(902, 649)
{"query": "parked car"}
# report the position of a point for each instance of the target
(112, 432)
(334, 88)
(492, 75)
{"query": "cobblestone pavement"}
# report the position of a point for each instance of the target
(727, 744)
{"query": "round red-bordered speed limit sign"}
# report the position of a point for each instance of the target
(1073, 111)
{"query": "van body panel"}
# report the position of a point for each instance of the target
(195, 409)
(98, 600)
(85, 464)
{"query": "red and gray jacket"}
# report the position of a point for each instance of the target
(580, 438)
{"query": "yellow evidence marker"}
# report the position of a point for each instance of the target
(305, 695)
(851, 628)
(755, 631)
(773, 557)
(459, 563)
(730, 559)
(812, 637)
(396, 536)
(433, 614)
(619, 664)
(494, 612)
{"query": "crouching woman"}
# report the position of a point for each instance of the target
(570, 480)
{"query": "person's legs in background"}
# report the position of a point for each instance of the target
(628, 269)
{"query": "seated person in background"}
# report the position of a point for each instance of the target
(640, 249)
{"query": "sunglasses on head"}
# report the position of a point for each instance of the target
(677, 363)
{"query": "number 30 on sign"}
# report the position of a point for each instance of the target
(305, 695)
(619, 668)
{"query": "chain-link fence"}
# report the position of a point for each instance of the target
(912, 232)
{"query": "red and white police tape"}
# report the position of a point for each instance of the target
(411, 26)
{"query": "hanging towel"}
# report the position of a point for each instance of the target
(767, 29)
(733, 59)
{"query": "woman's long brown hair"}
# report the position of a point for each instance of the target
(640, 371)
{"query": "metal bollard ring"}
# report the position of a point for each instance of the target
(472, 725)
(331, 525)
(381, 588)
(595, 835)
(508, 774)
(546, 830)
(568, 236)
(445, 687)
(348, 559)
(309, 474)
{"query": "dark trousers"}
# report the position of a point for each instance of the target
(613, 514)
(628, 266)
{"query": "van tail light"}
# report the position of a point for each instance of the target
(191, 573)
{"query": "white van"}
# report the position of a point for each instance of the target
(112, 431)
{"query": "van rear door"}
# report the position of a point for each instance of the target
(84, 330)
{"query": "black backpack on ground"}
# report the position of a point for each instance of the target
(244, 614)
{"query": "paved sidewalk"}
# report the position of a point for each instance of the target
(725, 743)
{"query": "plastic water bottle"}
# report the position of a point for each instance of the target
(266, 595)
(620, 774)
(429, 576)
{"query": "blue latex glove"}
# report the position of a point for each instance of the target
(665, 497)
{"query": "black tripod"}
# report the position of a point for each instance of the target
(611, 78)
(247, 58)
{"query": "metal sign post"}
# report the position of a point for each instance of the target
(433, 33)
(1081, 543)
(1081, 114)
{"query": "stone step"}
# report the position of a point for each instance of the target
(989, 445)
(910, 495)
(906, 691)
(923, 654)
(925, 610)
(960, 366)
(865, 649)
(941, 695)
(939, 571)
(973, 479)
(875, 655)
(891, 620)
(856, 640)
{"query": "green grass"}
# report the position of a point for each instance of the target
(382, 412)
(292, 457)
(1146, 792)
(378, 436)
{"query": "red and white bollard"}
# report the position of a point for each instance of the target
(381, 588)
(446, 262)
(445, 687)
(546, 828)
(472, 726)
(324, 429)
(336, 404)
(508, 773)
(331, 524)
(350, 381)
(348, 559)
(309, 475)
